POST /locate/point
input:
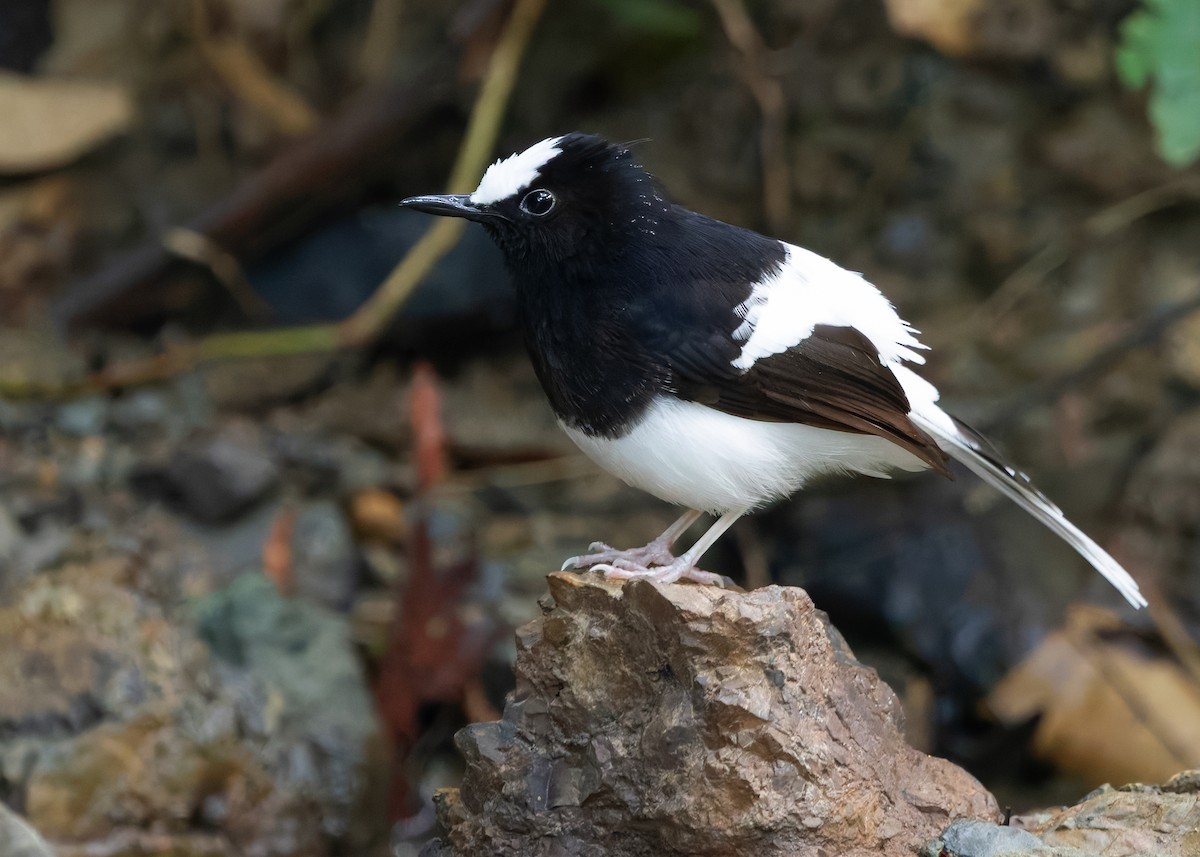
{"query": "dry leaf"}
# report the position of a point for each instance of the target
(50, 123)
(948, 25)
(1110, 710)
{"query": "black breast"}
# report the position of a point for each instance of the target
(602, 324)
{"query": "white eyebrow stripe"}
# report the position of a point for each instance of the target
(508, 176)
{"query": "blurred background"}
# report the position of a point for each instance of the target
(275, 489)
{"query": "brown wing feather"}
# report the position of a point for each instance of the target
(834, 380)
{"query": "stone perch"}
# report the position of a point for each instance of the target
(677, 719)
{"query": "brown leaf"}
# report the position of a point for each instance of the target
(50, 123)
(1110, 710)
(429, 433)
(948, 25)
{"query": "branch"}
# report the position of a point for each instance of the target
(372, 317)
(1103, 224)
(369, 321)
(768, 92)
(1149, 332)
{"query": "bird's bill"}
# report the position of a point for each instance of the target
(448, 205)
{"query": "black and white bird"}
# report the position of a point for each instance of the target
(711, 366)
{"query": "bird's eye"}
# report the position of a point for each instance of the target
(538, 202)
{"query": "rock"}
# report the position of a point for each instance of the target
(11, 543)
(1134, 821)
(971, 838)
(140, 410)
(121, 734)
(148, 772)
(218, 476)
(685, 720)
(302, 655)
(19, 839)
(83, 417)
(379, 516)
(324, 555)
(1083, 725)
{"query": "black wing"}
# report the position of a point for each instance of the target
(833, 379)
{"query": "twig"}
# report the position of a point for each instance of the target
(1103, 224)
(327, 170)
(180, 358)
(429, 433)
(379, 44)
(249, 79)
(365, 325)
(768, 92)
(1170, 627)
(523, 475)
(484, 125)
(224, 266)
(1150, 331)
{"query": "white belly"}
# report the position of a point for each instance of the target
(694, 456)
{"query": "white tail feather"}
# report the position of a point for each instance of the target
(1011, 484)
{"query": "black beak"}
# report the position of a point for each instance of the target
(449, 205)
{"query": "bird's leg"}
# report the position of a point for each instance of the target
(657, 552)
(683, 567)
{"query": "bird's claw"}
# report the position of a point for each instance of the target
(679, 569)
(656, 553)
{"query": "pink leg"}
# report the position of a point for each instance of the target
(657, 552)
(683, 568)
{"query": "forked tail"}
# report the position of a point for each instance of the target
(963, 444)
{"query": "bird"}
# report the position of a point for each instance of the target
(707, 364)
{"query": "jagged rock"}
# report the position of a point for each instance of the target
(1133, 821)
(686, 720)
(302, 654)
(121, 733)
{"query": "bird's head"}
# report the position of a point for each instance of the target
(565, 197)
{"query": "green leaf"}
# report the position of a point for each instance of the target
(663, 18)
(1160, 46)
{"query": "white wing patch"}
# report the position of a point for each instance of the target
(808, 290)
(508, 176)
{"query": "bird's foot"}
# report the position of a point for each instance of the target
(677, 569)
(658, 552)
